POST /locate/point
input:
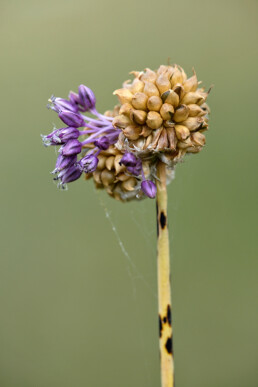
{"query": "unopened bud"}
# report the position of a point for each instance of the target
(87, 98)
(71, 119)
(72, 147)
(149, 188)
(102, 143)
(88, 163)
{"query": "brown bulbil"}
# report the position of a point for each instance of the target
(154, 120)
(132, 132)
(139, 101)
(167, 111)
(150, 89)
(182, 132)
(193, 123)
(154, 103)
(181, 113)
(121, 121)
(171, 97)
(163, 83)
(138, 116)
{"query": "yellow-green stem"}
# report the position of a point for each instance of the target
(164, 285)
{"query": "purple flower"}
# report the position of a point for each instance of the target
(149, 188)
(59, 104)
(102, 143)
(129, 160)
(69, 174)
(51, 139)
(86, 98)
(63, 162)
(71, 119)
(88, 163)
(72, 147)
(136, 170)
(60, 136)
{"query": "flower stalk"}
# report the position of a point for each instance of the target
(164, 281)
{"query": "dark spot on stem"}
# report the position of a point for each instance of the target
(169, 315)
(164, 320)
(169, 345)
(160, 327)
(163, 220)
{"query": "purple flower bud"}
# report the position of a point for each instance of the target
(129, 160)
(60, 104)
(72, 147)
(60, 136)
(88, 163)
(102, 143)
(66, 134)
(136, 170)
(51, 139)
(63, 162)
(69, 174)
(71, 119)
(149, 188)
(86, 97)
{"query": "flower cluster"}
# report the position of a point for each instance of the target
(162, 116)
(98, 135)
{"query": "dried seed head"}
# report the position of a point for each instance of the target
(162, 116)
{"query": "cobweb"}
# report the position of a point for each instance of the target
(134, 272)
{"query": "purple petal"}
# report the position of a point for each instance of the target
(72, 147)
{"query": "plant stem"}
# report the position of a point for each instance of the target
(164, 285)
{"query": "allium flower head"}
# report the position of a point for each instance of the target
(162, 116)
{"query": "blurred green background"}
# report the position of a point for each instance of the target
(75, 310)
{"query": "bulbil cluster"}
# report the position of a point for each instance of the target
(162, 115)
